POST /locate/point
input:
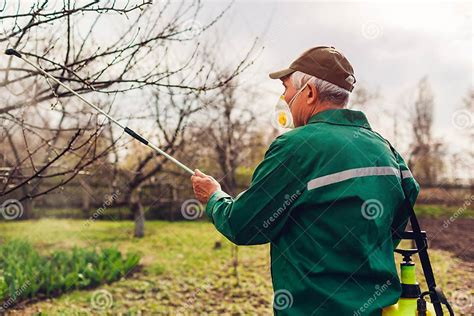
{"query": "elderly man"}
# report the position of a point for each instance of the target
(326, 197)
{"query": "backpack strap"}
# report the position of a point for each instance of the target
(421, 243)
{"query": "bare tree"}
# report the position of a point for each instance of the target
(361, 97)
(140, 54)
(426, 157)
(41, 141)
(31, 162)
(171, 113)
(231, 136)
(464, 119)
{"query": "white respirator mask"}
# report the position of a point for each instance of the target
(282, 115)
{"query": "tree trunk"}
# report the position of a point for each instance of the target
(27, 204)
(138, 214)
(86, 196)
(28, 209)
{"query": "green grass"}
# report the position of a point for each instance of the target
(182, 271)
(436, 211)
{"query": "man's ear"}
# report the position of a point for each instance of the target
(312, 95)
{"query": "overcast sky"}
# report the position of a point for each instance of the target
(390, 45)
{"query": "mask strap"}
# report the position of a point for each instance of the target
(296, 94)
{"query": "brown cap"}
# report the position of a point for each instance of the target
(325, 63)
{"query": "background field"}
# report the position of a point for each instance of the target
(182, 271)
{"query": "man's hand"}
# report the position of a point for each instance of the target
(204, 186)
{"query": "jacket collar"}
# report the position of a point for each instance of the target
(341, 117)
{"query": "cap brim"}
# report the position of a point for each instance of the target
(282, 73)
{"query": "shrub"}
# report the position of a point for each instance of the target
(26, 274)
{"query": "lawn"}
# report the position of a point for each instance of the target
(430, 210)
(182, 271)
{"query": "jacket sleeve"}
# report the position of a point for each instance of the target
(257, 215)
(412, 189)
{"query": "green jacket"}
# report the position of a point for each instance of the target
(325, 197)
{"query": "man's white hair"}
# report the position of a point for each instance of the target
(326, 90)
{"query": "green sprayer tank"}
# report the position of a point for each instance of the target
(410, 303)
